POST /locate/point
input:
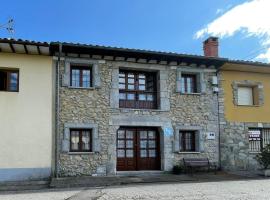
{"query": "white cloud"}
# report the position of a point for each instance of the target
(251, 18)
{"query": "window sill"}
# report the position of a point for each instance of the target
(141, 109)
(83, 88)
(195, 93)
(188, 152)
(248, 105)
(81, 153)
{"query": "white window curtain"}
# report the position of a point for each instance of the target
(245, 96)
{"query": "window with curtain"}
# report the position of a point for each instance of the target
(81, 76)
(188, 83)
(80, 140)
(188, 141)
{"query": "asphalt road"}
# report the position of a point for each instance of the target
(248, 189)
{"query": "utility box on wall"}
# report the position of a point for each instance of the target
(211, 135)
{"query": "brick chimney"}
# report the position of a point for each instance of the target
(210, 47)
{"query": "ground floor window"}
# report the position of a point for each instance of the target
(258, 138)
(187, 142)
(80, 140)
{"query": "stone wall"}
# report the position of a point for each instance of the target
(234, 142)
(85, 106)
(99, 106)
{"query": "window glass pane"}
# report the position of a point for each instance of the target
(85, 140)
(131, 87)
(130, 75)
(129, 134)
(13, 85)
(151, 134)
(121, 134)
(182, 85)
(141, 87)
(129, 153)
(120, 153)
(152, 153)
(122, 86)
(86, 78)
(74, 140)
(150, 97)
(189, 85)
(129, 143)
(122, 96)
(143, 143)
(122, 75)
(143, 134)
(142, 81)
(131, 80)
(152, 144)
(142, 76)
(122, 80)
(121, 143)
(130, 96)
(75, 78)
(143, 153)
(142, 97)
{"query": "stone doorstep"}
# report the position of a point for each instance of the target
(94, 181)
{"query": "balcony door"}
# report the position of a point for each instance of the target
(137, 90)
(138, 149)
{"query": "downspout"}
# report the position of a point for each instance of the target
(219, 129)
(57, 101)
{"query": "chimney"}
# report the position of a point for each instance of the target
(210, 47)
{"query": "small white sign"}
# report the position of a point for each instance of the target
(211, 136)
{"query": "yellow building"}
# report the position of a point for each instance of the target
(244, 112)
(26, 106)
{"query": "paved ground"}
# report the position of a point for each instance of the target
(247, 189)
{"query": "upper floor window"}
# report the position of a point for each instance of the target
(137, 90)
(188, 83)
(187, 141)
(80, 140)
(245, 96)
(9, 80)
(81, 76)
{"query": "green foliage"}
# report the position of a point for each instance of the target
(264, 157)
(177, 169)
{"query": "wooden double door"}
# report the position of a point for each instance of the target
(138, 149)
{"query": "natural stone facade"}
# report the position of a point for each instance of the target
(99, 107)
(234, 136)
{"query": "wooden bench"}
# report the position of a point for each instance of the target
(196, 163)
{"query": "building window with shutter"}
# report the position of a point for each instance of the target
(9, 80)
(245, 96)
(188, 141)
(80, 140)
(81, 76)
(188, 83)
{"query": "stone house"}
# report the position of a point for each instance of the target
(131, 110)
(95, 110)
(245, 113)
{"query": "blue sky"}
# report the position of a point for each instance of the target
(170, 25)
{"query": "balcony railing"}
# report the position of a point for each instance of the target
(137, 99)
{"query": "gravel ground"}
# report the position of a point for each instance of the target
(251, 189)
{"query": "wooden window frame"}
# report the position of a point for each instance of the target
(194, 83)
(81, 69)
(7, 81)
(80, 149)
(137, 103)
(192, 142)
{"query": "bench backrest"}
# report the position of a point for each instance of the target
(196, 161)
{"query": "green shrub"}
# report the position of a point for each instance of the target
(264, 157)
(177, 169)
